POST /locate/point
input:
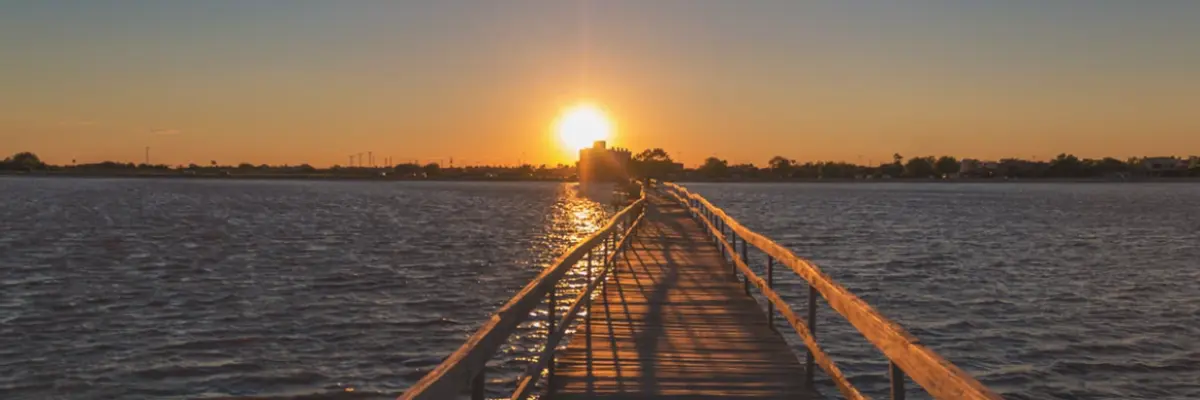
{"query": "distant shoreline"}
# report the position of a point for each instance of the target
(337, 177)
(299, 177)
(957, 180)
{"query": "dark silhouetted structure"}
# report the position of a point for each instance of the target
(600, 164)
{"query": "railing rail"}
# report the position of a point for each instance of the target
(938, 377)
(465, 367)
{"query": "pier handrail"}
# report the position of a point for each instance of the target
(465, 367)
(939, 377)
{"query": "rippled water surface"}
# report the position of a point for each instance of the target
(199, 288)
(1072, 291)
(182, 288)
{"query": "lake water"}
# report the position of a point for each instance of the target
(196, 288)
(141, 288)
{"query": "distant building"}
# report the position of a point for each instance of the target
(675, 171)
(1012, 168)
(977, 168)
(1164, 164)
(968, 166)
(600, 164)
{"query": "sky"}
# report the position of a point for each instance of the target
(482, 82)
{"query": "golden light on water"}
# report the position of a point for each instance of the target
(585, 220)
(580, 125)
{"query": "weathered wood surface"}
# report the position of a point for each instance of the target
(820, 358)
(939, 377)
(672, 322)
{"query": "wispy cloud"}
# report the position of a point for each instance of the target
(165, 131)
(77, 123)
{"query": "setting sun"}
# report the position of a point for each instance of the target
(581, 125)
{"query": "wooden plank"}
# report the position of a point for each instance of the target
(671, 322)
(939, 377)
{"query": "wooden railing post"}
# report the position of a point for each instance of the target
(709, 214)
(812, 330)
(613, 235)
(712, 220)
(897, 377)
(625, 233)
(587, 272)
(587, 325)
(746, 260)
(608, 247)
(719, 240)
(477, 386)
(733, 242)
(629, 244)
(771, 285)
(550, 331)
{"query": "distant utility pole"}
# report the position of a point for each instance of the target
(360, 164)
(371, 159)
(351, 160)
(147, 155)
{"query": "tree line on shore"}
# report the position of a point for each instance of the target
(29, 162)
(658, 163)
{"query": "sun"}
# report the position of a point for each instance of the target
(581, 125)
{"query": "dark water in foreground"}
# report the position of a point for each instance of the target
(171, 288)
(1073, 291)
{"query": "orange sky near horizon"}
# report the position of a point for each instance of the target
(857, 82)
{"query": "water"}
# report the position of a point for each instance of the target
(1039, 290)
(201, 288)
(204, 288)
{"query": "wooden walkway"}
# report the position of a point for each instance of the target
(674, 323)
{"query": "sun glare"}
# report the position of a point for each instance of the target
(579, 126)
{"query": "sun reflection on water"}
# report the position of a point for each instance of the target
(578, 214)
(585, 220)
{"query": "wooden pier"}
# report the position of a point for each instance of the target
(674, 322)
(668, 314)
